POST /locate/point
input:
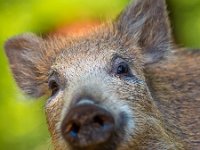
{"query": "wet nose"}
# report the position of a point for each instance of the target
(87, 125)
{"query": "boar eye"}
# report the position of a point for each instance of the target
(54, 87)
(122, 69)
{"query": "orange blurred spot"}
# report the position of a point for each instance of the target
(76, 28)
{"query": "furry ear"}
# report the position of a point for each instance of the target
(24, 53)
(146, 22)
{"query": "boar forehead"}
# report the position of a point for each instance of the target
(96, 52)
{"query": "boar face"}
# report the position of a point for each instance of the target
(98, 97)
(104, 75)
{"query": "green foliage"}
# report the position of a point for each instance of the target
(185, 16)
(23, 123)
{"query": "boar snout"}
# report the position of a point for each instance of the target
(87, 125)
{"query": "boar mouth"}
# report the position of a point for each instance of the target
(111, 144)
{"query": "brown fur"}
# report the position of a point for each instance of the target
(158, 108)
(175, 87)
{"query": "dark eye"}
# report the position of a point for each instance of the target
(54, 87)
(122, 69)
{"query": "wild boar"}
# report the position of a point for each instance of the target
(122, 87)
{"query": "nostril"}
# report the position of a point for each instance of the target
(72, 129)
(98, 120)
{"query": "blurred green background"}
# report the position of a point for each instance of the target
(22, 121)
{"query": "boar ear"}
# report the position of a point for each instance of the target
(146, 22)
(23, 53)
